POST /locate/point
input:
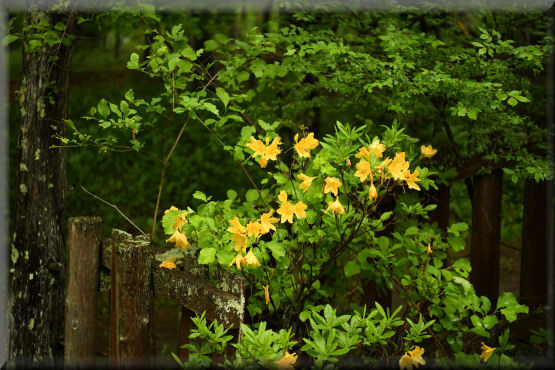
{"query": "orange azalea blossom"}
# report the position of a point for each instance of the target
(412, 358)
(250, 259)
(332, 184)
(287, 361)
(416, 354)
(266, 293)
(375, 148)
(265, 151)
(486, 352)
(236, 227)
(398, 167)
(372, 193)
(180, 220)
(253, 229)
(336, 207)
(348, 163)
(240, 242)
(428, 151)
(363, 170)
(237, 260)
(306, 181)
(179, 239)
(407, 362)
(306, 144)
(172, 208)
(168, 263)
(411, 179)
(299, 209)
(267, 222)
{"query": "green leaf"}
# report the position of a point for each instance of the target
(251, 195)
(223, 96)
(189, 53)
(277, 250)
(200, 196)
(490, 321)
(243, 76)
(231, 194)
(133, 62)
(103, 109)
(456, 243)
(206, 256)
(512, 102)
(457, 228)
(351, 268)
(9, 39)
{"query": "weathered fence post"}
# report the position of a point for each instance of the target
(82, 282)
(486, 234)
(130, 300)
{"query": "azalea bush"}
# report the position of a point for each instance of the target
(310, 232)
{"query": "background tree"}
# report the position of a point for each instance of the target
(37, 264)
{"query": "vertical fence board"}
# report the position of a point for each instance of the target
(83, 271)
(534, 253)
(131, 305)
(486, 234)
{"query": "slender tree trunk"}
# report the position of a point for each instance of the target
(534, 256)
(486, 234)
(441, 197)
(37, 264)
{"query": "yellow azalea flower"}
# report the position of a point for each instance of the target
(398, 166)
(336, 207)
(282, 197)
(287, 361)
(363, 170)
(179, 239)
(265, 151)
(407, 362)
(375, 148)
(250, 259)
(237, 260)
(236, 227)
(253, 229)
(169, 263)
(487, 352)
(304, 146)
(372, 193)
(266, 293)
(429, 250)
(240, 242)
(416, 354)
(411, 179)
(267, 222)
(348, 163)
(332, 184)
(299, 209)
(180, 220)
(428, 151)
(306, 181)
(384, 164)
(286, 212)
(172, 208)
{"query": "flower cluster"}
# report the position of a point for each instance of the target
(412, 358)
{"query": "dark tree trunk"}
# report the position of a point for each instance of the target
(534, 256)
(486, 234)
(37, 264)
(441, 197)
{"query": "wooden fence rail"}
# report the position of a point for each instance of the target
(135, 279)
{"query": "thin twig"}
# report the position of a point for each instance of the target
(112, 205)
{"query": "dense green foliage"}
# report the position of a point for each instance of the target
(176, 126)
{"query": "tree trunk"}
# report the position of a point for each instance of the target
(37, 266)
(534, 256)
(486, 234)
(441, 197)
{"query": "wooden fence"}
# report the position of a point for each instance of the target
(135, 278)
